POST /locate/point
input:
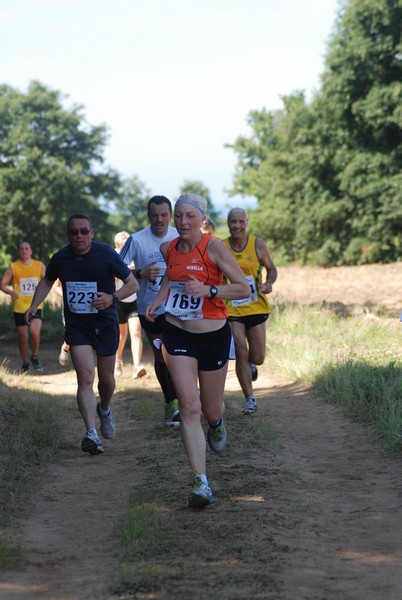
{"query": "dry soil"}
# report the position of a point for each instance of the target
(317, 519)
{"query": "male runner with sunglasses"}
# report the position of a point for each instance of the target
(87, 271)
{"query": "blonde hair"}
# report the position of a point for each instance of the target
(121, 238)
(197, 201)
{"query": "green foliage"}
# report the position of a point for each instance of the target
(143, 528)
(47, 169)
(354, 362)
(327, 175)
(130, 207)
(52, 329)
(11, 556)
(372, 393)
(29, 426)
(198, 187)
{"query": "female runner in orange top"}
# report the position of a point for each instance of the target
(196, 335)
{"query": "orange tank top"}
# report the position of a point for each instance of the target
(197, 263)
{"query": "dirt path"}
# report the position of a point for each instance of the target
(330, 508)
(318, 519)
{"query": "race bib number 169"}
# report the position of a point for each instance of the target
(181, 305)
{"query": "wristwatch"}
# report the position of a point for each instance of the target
(213, 291)
(115, 298)
(137, 273)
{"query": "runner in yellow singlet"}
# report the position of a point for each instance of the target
(247, 317)
(24, 275)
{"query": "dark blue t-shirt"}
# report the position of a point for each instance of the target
(82, 276)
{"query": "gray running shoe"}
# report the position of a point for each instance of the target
(217, 437)
(201, 494)
(172, 414)
(254, 372)
(250, 408)
(36, 363)
(108, 425)
(92, 444)
(25, 369)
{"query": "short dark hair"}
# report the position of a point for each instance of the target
(209, 222)
(79, 216)
(159, 200)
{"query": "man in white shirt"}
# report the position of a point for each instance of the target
(143, 248)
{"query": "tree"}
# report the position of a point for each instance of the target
(191, 186)
(131, 206)
(272, 167)
(48, 156)
(327, 175)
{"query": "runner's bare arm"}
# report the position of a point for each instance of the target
(41, 292)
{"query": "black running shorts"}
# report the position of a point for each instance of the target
(210, 349)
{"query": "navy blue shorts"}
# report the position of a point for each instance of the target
(104, 338)
(210, 349)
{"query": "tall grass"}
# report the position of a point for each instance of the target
(30, 424)
(353, 361)
(373, 393)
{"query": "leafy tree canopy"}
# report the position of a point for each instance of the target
(198, 187)
(48, 156)
(130, 212)
(327, 175)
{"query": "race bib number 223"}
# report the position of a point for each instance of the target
(80, 295)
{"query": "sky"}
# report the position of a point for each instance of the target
(174, 80)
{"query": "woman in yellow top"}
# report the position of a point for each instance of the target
(247, 317)
(25, 274)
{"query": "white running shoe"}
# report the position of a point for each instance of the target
(201, 494)
(250, 408)
(64, 356)
(118, 368)
(139, 372)
(91, 443)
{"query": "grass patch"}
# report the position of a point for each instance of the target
(30, 423)
(372, 393)
(144, 527)
(353, 361)
(302, 340)
(11, 556)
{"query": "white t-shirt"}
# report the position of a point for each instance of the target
(143, 248)
(119, 284)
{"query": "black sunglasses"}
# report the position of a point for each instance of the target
(82, 231)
